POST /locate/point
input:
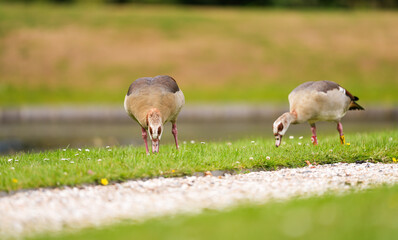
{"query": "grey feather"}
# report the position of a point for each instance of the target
(166, 82)
(320, 86)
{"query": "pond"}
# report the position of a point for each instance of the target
(38, 137)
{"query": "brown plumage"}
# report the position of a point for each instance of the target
(152, 102)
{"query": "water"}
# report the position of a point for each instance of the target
(38, 137)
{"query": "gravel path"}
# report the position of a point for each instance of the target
(34, 211)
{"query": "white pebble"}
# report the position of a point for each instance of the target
(94, 205)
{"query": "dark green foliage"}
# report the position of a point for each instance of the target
(266, 3)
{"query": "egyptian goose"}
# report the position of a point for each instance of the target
(316, 101)
(152, 102)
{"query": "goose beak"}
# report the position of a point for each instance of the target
(155, 145)
(278, 140)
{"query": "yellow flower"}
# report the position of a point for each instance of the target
(104, 181)
(394, 159)
(173, 171)
(15, 180)
(348, 144)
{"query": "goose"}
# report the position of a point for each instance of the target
(152, 102)
(316, 101)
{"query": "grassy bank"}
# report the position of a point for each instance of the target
(367, 215)
(90, 54)
(79, 166)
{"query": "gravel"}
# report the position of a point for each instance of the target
(36, 211)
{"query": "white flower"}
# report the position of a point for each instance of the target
(390, 139)
(185, 142)
(76, 154)
(9, 160)
(109, 150)
(87, 150)
(99, 160)
(46, 159)
(107, 147)
(229, 144)
(79, 149)
(299, 143)
(64, 149)
(12, 168)
(291, 137)
(250, 158)
(72, 161)
(203, 142)
(301, 137)
(268, 158)
(237, 162)
(253, 141)
(192, 141)
(65, 173)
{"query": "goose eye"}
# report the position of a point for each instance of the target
(159, 130)
(150, 130)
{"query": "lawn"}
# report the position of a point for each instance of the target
(80, 166)
(83, 54)
(372, 214)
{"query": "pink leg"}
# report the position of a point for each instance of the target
(144, 136)
(174, 131)
(314, 139)
(340, 129)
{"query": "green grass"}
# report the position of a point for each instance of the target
(372, 214)
(74, 167)
(53, 54)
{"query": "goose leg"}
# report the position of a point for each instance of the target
(144, 136)
(314, 139)
(340, 129)
(174, 131)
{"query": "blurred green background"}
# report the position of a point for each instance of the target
(88, 52)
